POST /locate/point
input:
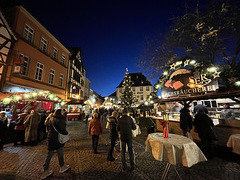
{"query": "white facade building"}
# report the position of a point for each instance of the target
(141, 88)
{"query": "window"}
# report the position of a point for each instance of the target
(51, 77)
(133, 88)
(61, 80)
(55, 53)
(63, 59)
(25, 65)
(39, 71)
(141, 88)
(147, 88)
(43, 45)
(28, 33)
(82, 83)
(141, 97)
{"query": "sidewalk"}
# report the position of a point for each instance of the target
(25, 162)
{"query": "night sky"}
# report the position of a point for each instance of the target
(111, 33)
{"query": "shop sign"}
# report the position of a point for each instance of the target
(185, 82)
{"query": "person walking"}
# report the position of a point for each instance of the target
(185, 119)
(113, 135)
(95, 129)
(125, 125)
(31, 128)
(19, 129)
(203, 125)
(3, 129)
(87, 116)
(58, 121)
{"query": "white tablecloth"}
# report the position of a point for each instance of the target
(234, 143)
(175, 149)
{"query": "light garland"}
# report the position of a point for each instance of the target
(29, 95)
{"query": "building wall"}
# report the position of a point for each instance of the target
(32, 50)
(137, 93)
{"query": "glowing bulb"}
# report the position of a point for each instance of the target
(212, 69)
(165, 73)
(26, 95)
(237, 83)
(192, 62)
(34, 94)
(178, 63)
(50, 96)
(41, 92)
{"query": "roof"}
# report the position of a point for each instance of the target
(232, 94)
(138, 79)
(113, 94)
(74, 51)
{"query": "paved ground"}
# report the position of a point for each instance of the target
(25, 162)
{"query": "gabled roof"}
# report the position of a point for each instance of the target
(113, 94)
(138, 79)
(74, 51)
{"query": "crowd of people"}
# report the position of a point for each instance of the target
(30, 128)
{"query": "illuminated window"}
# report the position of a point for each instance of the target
(63, 59)
(141, 88)
(51, 76)
(61, 80)
(28, 33)
(43, 45)
(25, 65)
(147, 88)
(39, 71)
(55, 53)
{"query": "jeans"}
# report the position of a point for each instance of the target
(113, 141)
(49, 157)
(130, 151)
(95, 142)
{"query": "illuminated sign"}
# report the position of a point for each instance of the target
(185, 82)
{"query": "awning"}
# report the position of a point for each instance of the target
(75, 102)
(3, 95)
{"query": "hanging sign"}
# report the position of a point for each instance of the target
(185, 82)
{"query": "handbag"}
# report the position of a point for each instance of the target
(61, 137)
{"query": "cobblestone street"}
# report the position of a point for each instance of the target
(26, 162)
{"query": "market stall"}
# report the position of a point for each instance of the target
(189, 82)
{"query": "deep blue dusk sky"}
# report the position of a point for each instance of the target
(111, 33)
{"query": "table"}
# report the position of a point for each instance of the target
(174, 150)
(234, 143)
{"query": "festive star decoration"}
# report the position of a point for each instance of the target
(216, 74)
(186, 62)
(172, 66)
(199, 26)
(232, 79)
(197, 64)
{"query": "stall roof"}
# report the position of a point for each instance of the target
(75, 102)
(232, 94)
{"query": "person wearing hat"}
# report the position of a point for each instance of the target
(185, 119)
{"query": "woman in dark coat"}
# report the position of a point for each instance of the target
(203, 125)
(53, 144)
(185, 119)
(3, 129)
(113, 135)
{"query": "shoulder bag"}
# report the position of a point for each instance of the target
(61, 137)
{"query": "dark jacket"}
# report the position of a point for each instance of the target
(203, 125)
(52, 136)
(185, 119)
(112, 127)
(125, 125)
